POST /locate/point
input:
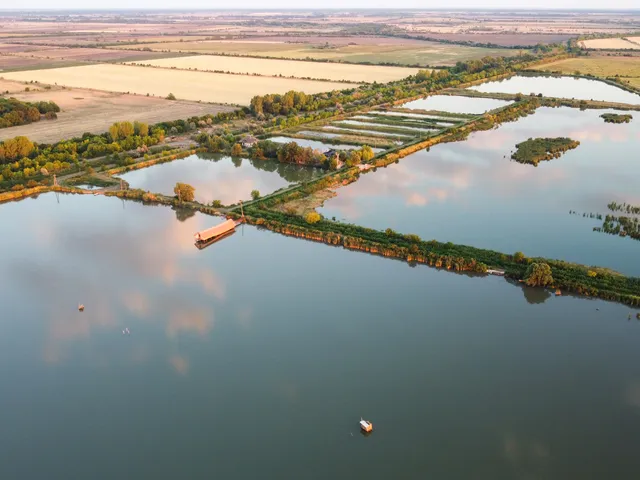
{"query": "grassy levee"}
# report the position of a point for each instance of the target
(408, 119)
(373, 133)
(435, 113)
(398, 123)
(580, 279)
(343, 139)
(28, 192)
(387, 128)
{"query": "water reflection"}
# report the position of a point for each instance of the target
(237, 335)
(560, 87)
(218, 177)
(455, 104)
(472, 193)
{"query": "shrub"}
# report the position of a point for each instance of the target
(312, 217)
(538, 275)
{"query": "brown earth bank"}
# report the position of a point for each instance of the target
(94, 111)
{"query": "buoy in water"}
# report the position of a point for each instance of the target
(81, 307)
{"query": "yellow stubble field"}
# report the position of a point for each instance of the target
(287, 68)
(185, 85)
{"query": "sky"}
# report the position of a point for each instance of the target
(341, 4)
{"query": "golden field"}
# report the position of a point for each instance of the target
(424, 54)
(287, 68)
(185, 85)
(626, 67)
(609, 44)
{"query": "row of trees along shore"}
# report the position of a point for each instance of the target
(14, 112)
(289, 152)
(580, 279)
(25, 162)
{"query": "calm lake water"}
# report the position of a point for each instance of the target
(218, 177)
(560, 87)
(455, 104)
(255, 358)
(317, 144)
(469, 193)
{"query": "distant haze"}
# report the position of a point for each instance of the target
(338, 4)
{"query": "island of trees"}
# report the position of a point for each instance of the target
(616, 118)
(535, 150)
(14, 112)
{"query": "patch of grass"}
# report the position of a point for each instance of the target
(598, 66)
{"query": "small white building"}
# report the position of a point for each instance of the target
(249, 141)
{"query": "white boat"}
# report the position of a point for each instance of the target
(366, 426)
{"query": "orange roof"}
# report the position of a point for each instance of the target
(209, 233)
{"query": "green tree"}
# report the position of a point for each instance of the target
(312, 217)
(255, 194)
(367, 153)
(538, 275)
(184, 192)
(236, 150)
(141, 129)
(216, 203)
(171, 96)
(518, 257)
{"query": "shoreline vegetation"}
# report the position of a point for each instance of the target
(616, 118)
(588, 281)
(536, 150)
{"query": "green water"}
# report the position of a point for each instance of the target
(257, 356)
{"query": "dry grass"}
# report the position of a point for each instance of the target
(609, 44)
(430, 53)
(13, 87)
(598, 66)
(288, 68)
(93, 111)
(186, 85)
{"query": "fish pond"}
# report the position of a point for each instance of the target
(317, 144)
(560, 87)
(219, 177)
(455, 104)
(472, 193)
(257, 356)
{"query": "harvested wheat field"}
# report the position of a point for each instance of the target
(288, 68)
(609, 44)
(186, 85)
(626, 67)
(9, 86)
(424, 54)
(94, 111)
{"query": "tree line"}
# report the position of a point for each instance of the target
(14, 112)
